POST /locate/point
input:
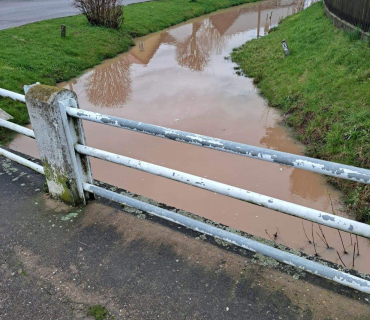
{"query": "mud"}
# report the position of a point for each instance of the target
(180, 78)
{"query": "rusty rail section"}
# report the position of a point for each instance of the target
(66, 113)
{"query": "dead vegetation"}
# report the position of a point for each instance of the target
(104, 13)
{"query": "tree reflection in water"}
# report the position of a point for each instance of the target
(194, 53)
(109, 85)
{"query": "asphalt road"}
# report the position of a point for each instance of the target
(15, 13)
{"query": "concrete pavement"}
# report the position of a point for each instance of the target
(15, 13)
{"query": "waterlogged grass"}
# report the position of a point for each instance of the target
(36, 52)
(322, 88)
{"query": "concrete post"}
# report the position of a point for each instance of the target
(56, 134)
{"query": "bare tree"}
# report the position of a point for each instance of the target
(106, 13)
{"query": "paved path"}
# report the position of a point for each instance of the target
(15, 13)
(56, 261)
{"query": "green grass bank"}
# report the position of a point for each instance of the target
(36, 52)
(322, 89)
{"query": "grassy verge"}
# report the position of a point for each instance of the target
(37, 53)
(322, 88)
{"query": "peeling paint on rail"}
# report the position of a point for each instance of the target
(320, 217)
(283, 158)
(249, 244)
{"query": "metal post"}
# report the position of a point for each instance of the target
(65, 172)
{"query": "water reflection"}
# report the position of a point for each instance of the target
(194, 52)
(109, 86)
(191, 53)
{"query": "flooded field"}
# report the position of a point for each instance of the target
(179, 78)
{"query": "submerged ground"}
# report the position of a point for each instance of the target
(322, 88)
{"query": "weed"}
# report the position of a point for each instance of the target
(98, 312)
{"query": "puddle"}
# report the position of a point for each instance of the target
(179, 78)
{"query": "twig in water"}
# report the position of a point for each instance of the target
(358, 250)
(341, 259)
(331, 202)
(353, 258)
(309, 241)
(276, 234)
(322, 232)
(351, 237)
(269, 235)
(321, 238)
(313, 240)
(344, 249)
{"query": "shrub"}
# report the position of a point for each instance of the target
(106, 13)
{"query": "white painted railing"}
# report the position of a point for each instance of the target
(56, 120)
(12, 95)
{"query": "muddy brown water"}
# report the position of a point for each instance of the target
(179, 78)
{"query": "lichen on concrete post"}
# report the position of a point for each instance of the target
(56, 135)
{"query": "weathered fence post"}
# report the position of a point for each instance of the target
(56, 134)
(63, 31)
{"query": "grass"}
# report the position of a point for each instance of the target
(322, 89)
(36, 52)
(98, 312)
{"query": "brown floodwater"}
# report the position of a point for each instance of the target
(179, 78)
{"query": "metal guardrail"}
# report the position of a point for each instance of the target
(15, 127)
(301, 162)
(313, 215)
(12, 95)
(249, 244)
(76, 140)
(27, 163)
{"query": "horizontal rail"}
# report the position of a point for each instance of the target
(296, 161)
(12, 95)
(17, 128)
(27, 163)
(317, 216)
(249, 244)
